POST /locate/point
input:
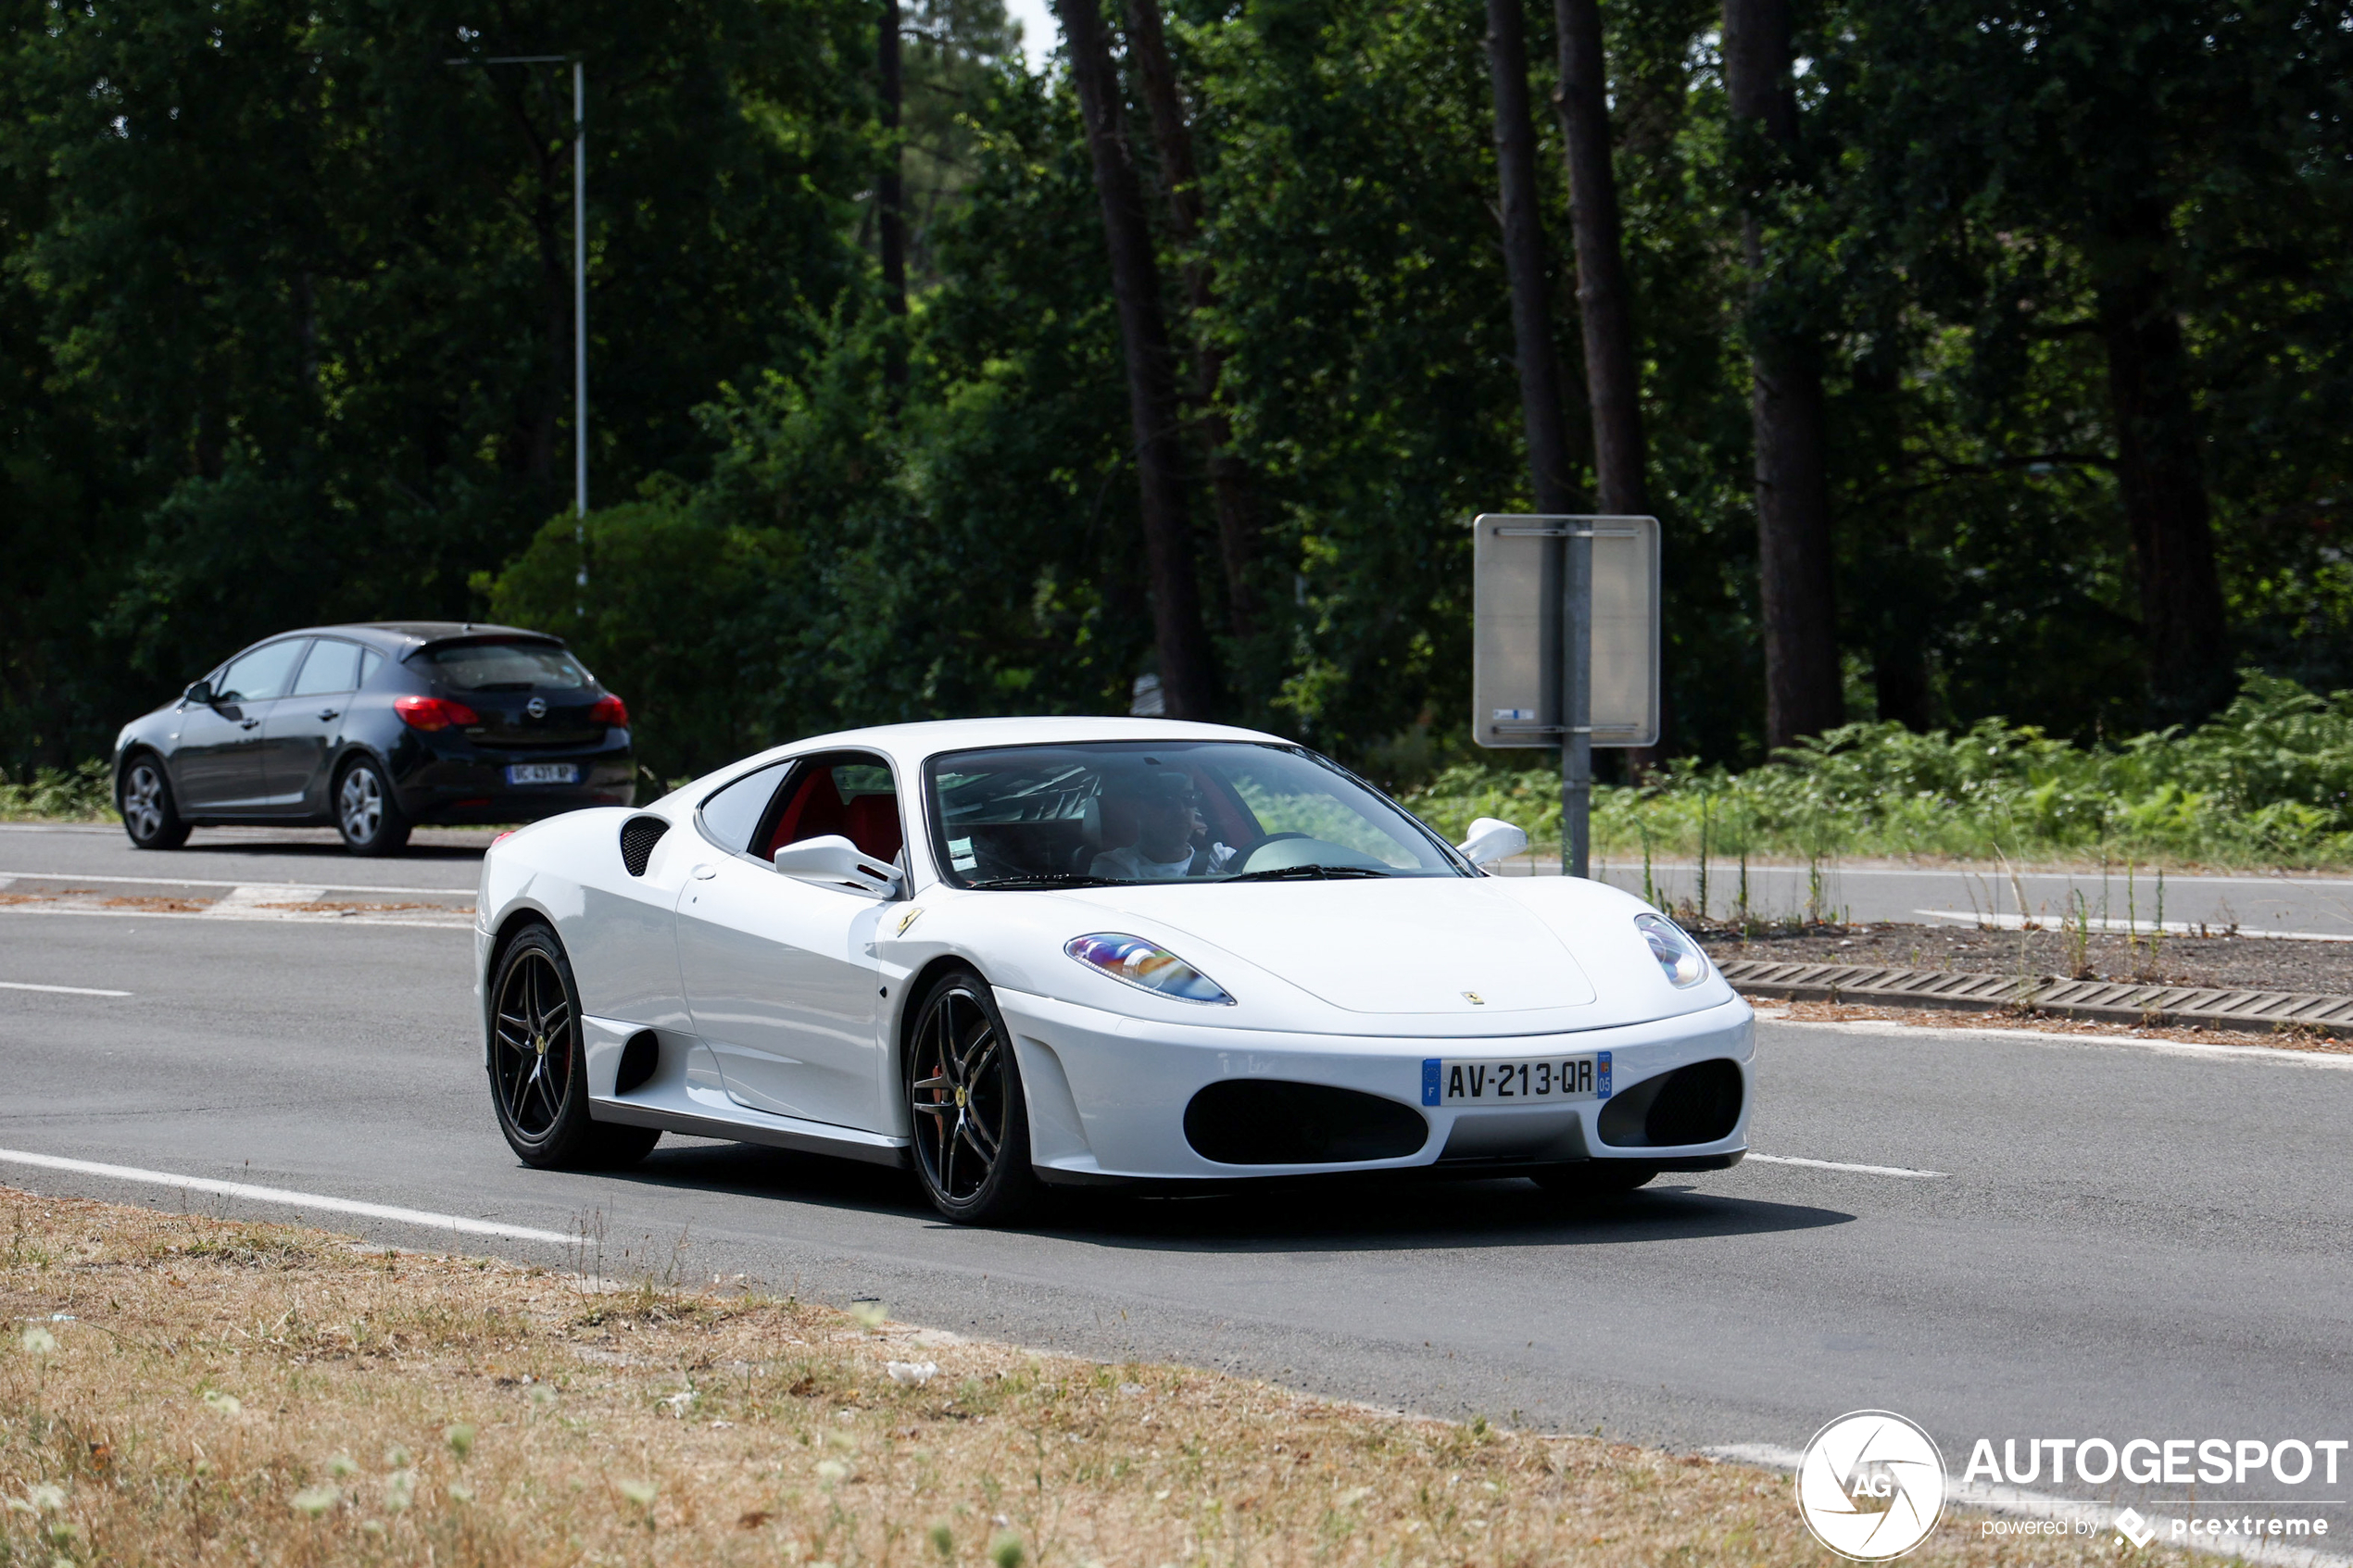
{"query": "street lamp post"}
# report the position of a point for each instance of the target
(579, 280)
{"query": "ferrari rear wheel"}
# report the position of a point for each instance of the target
(1595, 1178)
(963, 1094)
(538, 1072)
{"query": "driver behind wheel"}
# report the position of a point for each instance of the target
(1171, 838)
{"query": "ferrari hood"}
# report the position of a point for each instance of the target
(1409, 957)
(1409, 946)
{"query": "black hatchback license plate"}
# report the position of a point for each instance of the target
(543, 773)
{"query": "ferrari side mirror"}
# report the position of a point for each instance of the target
(833, 861)
(1490, 840)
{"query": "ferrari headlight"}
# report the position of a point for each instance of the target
(1678, 957)
(1146, 967)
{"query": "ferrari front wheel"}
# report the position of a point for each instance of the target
(965, 1101)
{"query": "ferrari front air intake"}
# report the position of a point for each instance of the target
(1266, 1121)
(638, 836)
(1700, 1103)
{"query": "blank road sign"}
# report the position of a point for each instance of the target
(1516, 658)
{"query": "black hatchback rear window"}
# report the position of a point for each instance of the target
(505, 666)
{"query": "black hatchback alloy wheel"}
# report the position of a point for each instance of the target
(149, 814)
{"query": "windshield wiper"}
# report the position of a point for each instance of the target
(1304, 874)
(1048, 879)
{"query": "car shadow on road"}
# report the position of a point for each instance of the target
(1377, 1213)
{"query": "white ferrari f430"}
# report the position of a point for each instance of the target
(1089, 952)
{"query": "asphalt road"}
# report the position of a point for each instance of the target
(2122, 1240)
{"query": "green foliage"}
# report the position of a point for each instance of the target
(680, 619)
(77, 795)
(284, 337)
(2269, 781)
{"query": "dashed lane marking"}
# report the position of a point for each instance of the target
(62, 990)
(1841, 1165)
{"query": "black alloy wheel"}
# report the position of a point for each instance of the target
(970, 1120)
(366, 812)
(539, 1074)
(145, 800)
(1592, 1179)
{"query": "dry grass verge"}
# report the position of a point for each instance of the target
(220, 1392)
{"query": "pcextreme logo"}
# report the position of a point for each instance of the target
(1870, 1485)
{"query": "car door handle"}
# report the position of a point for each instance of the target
(326, 714)
(704, 874)
(247, 723)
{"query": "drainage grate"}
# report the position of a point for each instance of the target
(2104, 999)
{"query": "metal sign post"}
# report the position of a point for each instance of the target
(1564, 640)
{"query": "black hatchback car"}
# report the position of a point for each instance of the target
(376, 729)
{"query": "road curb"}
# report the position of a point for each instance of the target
(2104, 1001)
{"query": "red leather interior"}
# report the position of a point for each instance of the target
(872, 823)
(813, 811)
(816, 810)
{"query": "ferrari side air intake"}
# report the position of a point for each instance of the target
(1264, 1122)
(638, 836)
(1700, 1103)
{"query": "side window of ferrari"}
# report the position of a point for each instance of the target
(847, 795)
(730, 817)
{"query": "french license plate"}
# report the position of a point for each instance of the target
(543, 773)
(1543, 1080)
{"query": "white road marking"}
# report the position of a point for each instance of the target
(263, 902)
(64, 990)
(462, 921)
(2129, 927)
(1840, 1165)
(192, 882)
(280, 1195)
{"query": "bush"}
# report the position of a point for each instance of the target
(2268, 782)
(679, 619)
(82, 794)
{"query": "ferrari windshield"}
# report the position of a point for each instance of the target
(1124, 811)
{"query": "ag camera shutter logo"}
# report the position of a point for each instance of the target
(1871, 1486)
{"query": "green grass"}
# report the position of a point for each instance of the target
(2267, 783)
(79, 794)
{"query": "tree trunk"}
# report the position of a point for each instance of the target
(1229, 482)
(1605, 304)
(2162, 476)
(1613, 385)
(891, 203)
(1804, 692)
(1187, 677)
(1542, 413)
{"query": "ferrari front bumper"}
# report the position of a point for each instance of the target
(1109, 1095)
